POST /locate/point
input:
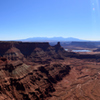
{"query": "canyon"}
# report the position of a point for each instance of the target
(38, 71)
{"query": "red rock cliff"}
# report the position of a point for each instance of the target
(26, 48)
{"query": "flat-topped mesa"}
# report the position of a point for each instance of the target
(32, 51)
(26, 48)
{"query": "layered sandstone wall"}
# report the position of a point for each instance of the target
(26, 48)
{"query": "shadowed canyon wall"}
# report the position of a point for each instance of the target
(26, 48)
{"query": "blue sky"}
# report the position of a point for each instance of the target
(20, 19)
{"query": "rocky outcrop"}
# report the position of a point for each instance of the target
(19, 81)
(26, 48)
(37, 52)
(38, 71)
(82, 83)
(13, 54)
(30, 51)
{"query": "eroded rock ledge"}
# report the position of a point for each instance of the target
(19, 81)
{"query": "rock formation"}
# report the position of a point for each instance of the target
(38, 71)
(13, 54)
(26, 72)
(28, 82)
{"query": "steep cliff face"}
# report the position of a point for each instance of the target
(26, 48)
(35, 52)
(4, 46)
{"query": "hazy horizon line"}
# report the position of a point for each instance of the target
(48, 38)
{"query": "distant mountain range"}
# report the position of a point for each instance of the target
(53, 39)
